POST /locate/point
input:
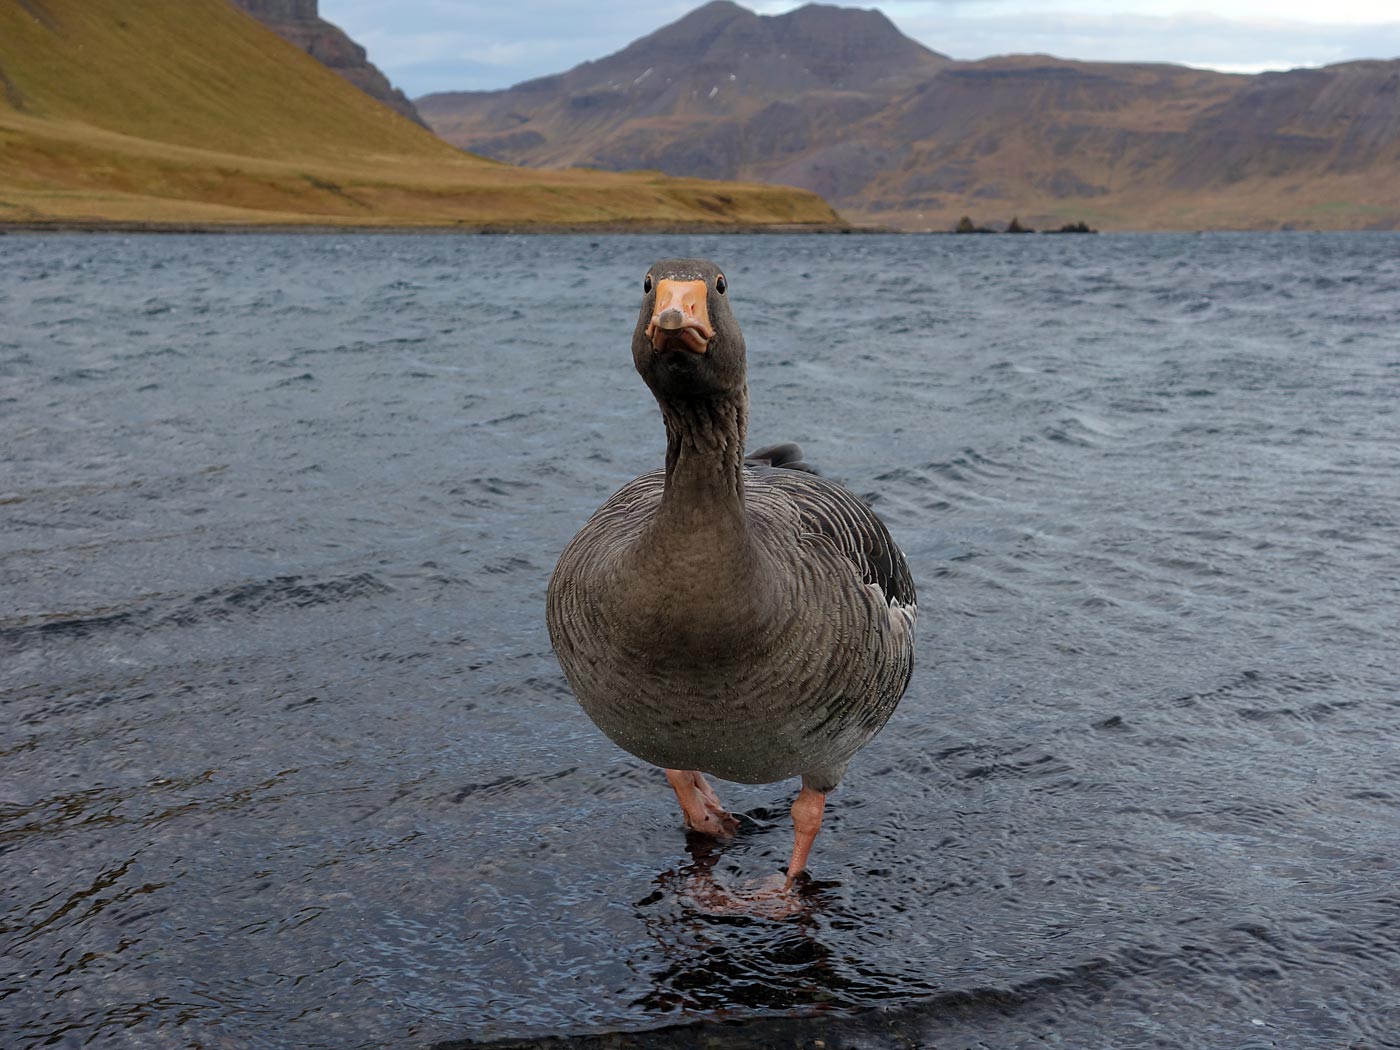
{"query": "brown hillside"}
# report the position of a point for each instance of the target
(895, 134)
(152, 112)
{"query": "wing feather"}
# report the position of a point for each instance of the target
(848, 523)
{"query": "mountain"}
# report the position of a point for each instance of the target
(837, 101)
(143, 111)
(300, 23)
(719, 90)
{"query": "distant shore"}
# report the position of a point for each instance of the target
(89, 226)
(525, 229)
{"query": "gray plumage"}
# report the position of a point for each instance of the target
(750, 620)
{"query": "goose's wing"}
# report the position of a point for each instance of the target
(788, 454)
(849, 525)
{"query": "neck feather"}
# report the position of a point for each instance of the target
(705, 458)
(711, 583)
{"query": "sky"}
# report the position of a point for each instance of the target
(476, 45)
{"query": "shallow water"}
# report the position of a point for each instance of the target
(286, 758)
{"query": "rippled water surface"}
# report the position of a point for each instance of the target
(287, 760)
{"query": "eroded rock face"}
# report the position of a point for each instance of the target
(281, 10)
(299, 22)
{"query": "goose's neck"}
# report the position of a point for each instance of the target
(705, 463)
(706, 587)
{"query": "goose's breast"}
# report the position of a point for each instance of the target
(757, 701)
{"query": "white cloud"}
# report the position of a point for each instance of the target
(1335, 12)
(1201, 40)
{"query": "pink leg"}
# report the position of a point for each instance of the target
(806, 821)
(702, 808)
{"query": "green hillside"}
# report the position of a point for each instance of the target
(149, 111)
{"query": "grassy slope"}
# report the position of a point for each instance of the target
(192, 112)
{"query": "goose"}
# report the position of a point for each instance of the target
(739, 616)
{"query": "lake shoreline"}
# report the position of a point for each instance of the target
(482, 229)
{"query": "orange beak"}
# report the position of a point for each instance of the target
(681, 320)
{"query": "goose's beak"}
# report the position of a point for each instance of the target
(681, 320)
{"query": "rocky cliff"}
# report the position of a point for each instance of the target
(837, 101)
(300, 22)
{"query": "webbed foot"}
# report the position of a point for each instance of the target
(702, 808)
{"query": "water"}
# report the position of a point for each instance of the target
(287, 761)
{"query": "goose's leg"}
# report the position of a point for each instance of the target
(806, 822)
(702, 808)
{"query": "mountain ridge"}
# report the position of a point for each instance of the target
(893, 133)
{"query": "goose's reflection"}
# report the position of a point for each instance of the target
(727, 944)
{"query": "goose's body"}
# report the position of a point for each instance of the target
(781, 658)
(751, 621)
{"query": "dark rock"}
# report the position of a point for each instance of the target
(299, 22)
(280, 10)
(966, 225)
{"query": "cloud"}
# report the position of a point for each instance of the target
(1195, 39)
(1335, 12)
(444, 45)
(417, 42)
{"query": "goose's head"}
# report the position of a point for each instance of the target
(687, 344)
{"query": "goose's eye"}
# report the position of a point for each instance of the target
(721, 284)
(646, 284)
